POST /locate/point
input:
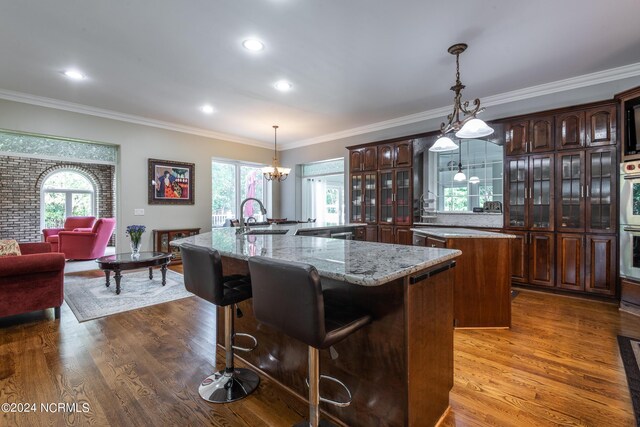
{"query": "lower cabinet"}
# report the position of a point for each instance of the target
(584, 263)
(394, 234)
(532, 258)
(371, 233)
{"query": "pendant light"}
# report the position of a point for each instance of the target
(275, 172)
(460, 176)
(470, 126)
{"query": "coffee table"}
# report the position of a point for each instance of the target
(125, 261)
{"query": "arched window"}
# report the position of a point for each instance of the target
(66, 193)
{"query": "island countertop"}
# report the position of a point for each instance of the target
(461, 233)
(357, 262)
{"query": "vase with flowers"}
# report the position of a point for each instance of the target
(135, 234)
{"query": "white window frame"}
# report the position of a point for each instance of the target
(238, 164)
(68, 194)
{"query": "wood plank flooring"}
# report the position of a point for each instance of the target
(558, 365)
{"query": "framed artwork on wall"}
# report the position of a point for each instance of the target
(171, 183)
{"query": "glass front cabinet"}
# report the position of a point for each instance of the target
(363, 197)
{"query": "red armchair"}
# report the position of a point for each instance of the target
(31, 281)
(81, 223)
(86, 245)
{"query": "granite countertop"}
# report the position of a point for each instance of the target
(360, 263)
(461, 233)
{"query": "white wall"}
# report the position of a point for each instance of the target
(137, 143)
(290, 207)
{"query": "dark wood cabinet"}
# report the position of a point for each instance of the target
(162, 238)
(601, 125)
(601, 261)
(570, 198)
(395, 195)
(541, 134)
(570, 130)
(529, 136)
(363, 159)
(396, 235)
(570, 261)
(371, 233)
(541, 259)
(385, 234)
(359, 233)
(520, 257)
(363, 196)
(516, 138)
(433, 242)
(395, 155)
(385, 156)
(403, 236)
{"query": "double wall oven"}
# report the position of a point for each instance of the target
(630, 220)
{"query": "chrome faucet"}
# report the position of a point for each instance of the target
(244, 228)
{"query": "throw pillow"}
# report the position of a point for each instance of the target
(9, 248)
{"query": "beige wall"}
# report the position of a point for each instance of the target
(290, 207)
(136, 144)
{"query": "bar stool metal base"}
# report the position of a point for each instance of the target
(323, 423)
(224, 387)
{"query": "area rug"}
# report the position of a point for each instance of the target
(89, 298)
(630, 353)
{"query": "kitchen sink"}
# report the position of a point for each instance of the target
(263, 231)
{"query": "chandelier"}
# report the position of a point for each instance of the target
(275, 172)
(469, 126)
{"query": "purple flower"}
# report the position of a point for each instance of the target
(135, 232)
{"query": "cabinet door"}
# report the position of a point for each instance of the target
(601, 190)
(433, 242)
(359, 234)
(600, 276)
(385, 234)
(403, 154)
(419, 239)
(570, 130)
(516, 194)
(403, 203)
(570, 261)
(370, 156)
(570, 191)
(403, 236)
(520, 257)
(541, 134)
(371, 233)
(541, 259)
(356, 184)
(356, 160)
(385, 156)
(516, 137)
(386, 197)
(541, 192)
(601, 126)
(370, 207)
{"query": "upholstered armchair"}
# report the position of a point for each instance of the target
(87, 244)
(78, 223)
(31, 281)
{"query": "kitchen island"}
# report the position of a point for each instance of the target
(400, 367)
(482, 283)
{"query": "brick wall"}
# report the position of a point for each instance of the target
(21, 181)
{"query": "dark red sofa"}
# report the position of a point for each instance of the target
(31, 281)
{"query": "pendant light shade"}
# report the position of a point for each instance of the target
(443, 144)
(474, 128)
(460, 176)
(275, 172)
(474, 180)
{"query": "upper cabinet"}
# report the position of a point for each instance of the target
(363, 159)
(395, 154)
(601, 126)
(529, 136)
(592, 127)
(570, 130)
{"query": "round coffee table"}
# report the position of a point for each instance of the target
(120, 262)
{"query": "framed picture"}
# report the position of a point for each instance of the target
(171, 183)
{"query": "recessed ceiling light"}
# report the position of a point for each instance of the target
(283, 86)
(207, 109)
(74, 75)
(253, 44)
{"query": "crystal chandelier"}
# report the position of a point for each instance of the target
(275, 172)
(469, 126)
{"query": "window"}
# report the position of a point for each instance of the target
(227, 178)
(66, 193)
(481, 160)
(323, 191)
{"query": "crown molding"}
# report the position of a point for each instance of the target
(26, 98)
(599, 77)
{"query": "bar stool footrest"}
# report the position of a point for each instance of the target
(245, 349)
(334, 402)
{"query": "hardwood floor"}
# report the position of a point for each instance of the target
(558, 365)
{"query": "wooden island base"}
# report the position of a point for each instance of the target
(399, 369)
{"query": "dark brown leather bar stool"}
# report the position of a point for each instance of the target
(203, 277)
(288, 296)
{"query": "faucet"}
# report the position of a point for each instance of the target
(244, 228)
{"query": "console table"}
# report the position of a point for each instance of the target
(161, 239)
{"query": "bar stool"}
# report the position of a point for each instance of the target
(203, 277)
(288, 296)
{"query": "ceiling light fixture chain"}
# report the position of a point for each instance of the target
(275, 172)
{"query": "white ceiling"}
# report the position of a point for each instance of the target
(352, 63)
